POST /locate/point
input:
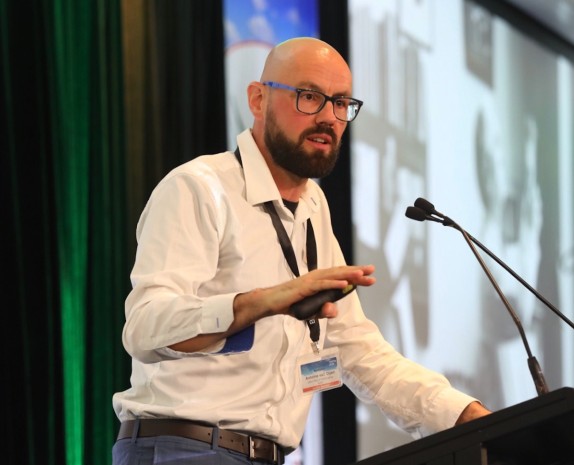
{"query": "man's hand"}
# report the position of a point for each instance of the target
(472, 411)
(278, 299)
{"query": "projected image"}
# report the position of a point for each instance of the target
(252, 27)
(465, 111)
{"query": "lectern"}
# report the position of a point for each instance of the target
(539, 431)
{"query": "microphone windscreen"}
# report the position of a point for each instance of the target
(424, 205)
(416, 214)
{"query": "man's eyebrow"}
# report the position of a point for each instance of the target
(308, 85)
(312, 86)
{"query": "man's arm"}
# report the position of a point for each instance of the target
(259, 303)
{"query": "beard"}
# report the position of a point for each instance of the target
(294, 158)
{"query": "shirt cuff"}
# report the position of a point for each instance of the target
(217, 313)
(447, 407)
(216, 317)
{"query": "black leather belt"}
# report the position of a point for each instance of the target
(253, 447)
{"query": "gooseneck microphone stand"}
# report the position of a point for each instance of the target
(424, 210)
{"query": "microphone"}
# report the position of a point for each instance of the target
(415, 213)
(418, 214)
(423, 210)
(427, 209)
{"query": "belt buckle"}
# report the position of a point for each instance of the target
(254, 456)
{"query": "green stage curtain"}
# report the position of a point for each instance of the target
(92, 113)
(63, 192)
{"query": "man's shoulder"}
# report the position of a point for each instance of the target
(203, 164)
(203, 173)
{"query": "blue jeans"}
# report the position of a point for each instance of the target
(173, 450)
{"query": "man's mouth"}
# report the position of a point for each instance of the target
(320, 137)
(319, 140)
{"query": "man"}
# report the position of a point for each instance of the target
(222, 370)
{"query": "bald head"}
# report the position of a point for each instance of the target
(300, 57)
(298, 144)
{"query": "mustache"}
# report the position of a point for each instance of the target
(320, 130)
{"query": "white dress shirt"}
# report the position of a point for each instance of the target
(202, 238)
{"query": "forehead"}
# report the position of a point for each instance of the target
(317, 79)
(318, 69)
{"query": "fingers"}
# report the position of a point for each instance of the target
(336, 278)
(329, 310)
(278, 299)
(315, 282)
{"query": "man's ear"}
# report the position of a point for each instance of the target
(255, 98)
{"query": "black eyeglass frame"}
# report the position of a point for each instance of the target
(327, 98)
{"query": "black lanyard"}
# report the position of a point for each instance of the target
(286, 245)
(289, 253)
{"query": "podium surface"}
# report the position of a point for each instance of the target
(539, 431)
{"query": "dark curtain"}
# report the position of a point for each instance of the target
(92, 114)
(63, 201)
(174, 89)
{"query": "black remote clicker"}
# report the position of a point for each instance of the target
(310, 306)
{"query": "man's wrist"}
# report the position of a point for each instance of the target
(472, 411)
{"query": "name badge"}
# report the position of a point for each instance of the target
(320, 372)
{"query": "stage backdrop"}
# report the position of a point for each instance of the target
(465, 110)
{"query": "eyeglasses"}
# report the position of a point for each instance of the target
(312, 101)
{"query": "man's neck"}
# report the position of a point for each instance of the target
(291, 187)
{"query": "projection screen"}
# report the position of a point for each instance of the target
(466, 111)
